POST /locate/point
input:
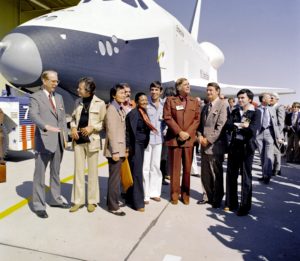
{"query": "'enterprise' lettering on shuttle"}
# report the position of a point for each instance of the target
(204, 75)
(179, 31)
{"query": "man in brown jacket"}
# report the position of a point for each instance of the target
(182, 115)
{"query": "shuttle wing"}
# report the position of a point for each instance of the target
(198, 87)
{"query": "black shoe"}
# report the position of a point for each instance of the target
(196, 175)
(41, 213)
(63, 205)
(202, 202)
(242, 212)
(266, 180)
(279, 173)
(119, 213)
(262, 179)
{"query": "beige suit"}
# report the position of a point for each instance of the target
(89, 151)
(115, 132)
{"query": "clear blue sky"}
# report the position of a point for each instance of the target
(259, 38)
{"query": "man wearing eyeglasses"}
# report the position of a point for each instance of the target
(292, 126)
(47, 112)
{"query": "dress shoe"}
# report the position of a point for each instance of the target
(196, 175)
(157, 199)
(75, 208)
(168, 177)
(266, 180)
(174, 201)
(229, 209)
(117, 212)
(146, 202)
(141, 209)
(186, 201)
(202, 202)
(91, 208)
(41, 213)
(242, 212)
(261, 179)
(62, 205)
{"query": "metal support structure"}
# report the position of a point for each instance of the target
(2, 162)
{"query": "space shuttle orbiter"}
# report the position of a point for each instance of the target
(134, 41)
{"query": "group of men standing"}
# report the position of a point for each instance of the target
(219, 130)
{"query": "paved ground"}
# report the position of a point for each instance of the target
(163, 232)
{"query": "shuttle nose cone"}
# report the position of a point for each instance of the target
(20, 60)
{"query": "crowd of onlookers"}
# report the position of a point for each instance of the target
(157, 133)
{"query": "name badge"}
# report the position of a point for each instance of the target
(179, 107)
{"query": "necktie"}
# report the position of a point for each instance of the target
(208, 109)
(265, 120)
(51, 102)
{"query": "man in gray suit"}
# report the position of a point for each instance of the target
(212, 138)
(48, 114)
(280, 113)
(267, 137)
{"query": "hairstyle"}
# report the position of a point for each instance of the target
(169, 91)
(156, 84)
(296, 104)
(138, 95)
(125, 85)
(215, 85)
(45, 74)
(230, 99)
(247, 92)
(114, 90)
(275, 94)
(262, 96)
(89, 84)
(178, 83)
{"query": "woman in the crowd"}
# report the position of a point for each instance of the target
(138, 128)
(115, 146)
(87, 122)
(243, 123)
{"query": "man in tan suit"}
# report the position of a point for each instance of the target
(213, 143)
(182, 115)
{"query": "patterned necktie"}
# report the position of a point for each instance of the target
(208, 110)
(265, 120)
(52, 103)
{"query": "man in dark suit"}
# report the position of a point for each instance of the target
(48, 114)
(243, 123)
(212, 138)
(292, 126)
(182, 115)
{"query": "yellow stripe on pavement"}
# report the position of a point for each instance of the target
(27, 200)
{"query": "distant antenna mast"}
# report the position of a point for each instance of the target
(194, 27)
